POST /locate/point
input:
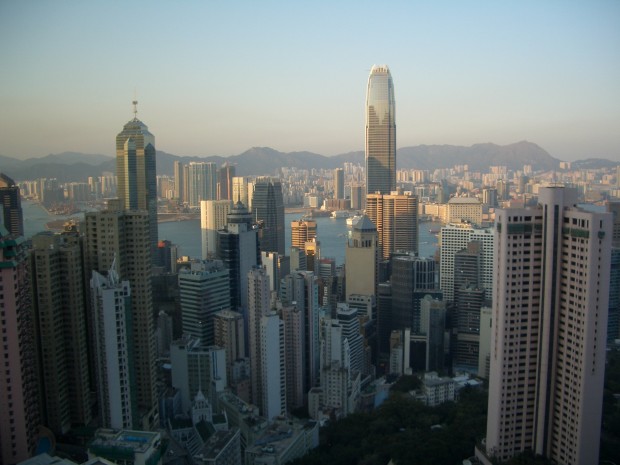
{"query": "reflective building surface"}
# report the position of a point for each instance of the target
(135, 169)
(380, 132)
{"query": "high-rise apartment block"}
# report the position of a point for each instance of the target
(11, 206)
(202, 182)
(548, 335)
(380, 132)
(396, 218)
(454, 238)
(225, 177)
(112, 323)
(136, 171)
(229, 334)
(268, 212)
(120, 239)
(59, 301)
(213, 217)
(19, 403)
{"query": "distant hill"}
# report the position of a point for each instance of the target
(72, 166)
(593, 164)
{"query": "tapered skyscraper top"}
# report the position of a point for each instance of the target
(380, 132)
(136, 171)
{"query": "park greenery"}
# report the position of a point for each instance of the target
(407, 432)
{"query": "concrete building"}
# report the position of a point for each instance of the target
(362, 259)
(338, 183)
(396, 218)
(59, 302)
(120, 239)
(282, 442)
(11, 206)
(195, 368)
(111, 304)
(204, 290)
(213, 217)
(549, 326)
(272, 402)
(202, 182)
(454, 238)
(464, 209)
(229, 334)
(20, 418)
(294, 354)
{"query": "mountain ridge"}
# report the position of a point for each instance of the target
(76, 166)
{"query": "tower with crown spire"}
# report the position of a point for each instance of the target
(136, 171)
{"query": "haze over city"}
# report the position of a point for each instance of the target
(218, 78)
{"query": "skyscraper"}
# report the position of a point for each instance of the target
(111, 306)
(136, 171)
(268, 211)
(380, 132)
(225, 177)
(339, 183)
(238, 249)
(178, 181)
(60, 315)
(121, 239)
(11, 206)
(548, 331)
(19, 420)
(396, 218)
(204, 290)
(361, 258)
(213, 217)
(202, 182)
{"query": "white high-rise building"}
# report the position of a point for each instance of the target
(455, 237)
(213, 216)
(272, 366)
(111, 307)
(549, 320)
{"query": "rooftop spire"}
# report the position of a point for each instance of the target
(135, 109)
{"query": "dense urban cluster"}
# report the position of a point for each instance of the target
(118, 349)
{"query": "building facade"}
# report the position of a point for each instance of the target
(380, 132)
(548, 335)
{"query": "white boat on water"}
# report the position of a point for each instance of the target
(340, 214)
(352, 220)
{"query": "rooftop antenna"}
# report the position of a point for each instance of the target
(135, 109)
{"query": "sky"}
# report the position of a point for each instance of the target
(219, 77)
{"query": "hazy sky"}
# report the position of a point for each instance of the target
(218, 77)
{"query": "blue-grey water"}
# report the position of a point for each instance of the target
(331, 232)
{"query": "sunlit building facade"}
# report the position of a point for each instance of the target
(380, 132)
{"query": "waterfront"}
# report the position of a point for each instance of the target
(332, 232)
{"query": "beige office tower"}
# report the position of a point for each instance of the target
(124, 235)
(229, 334)
(549, 320)
(302, 231)
(240, 190)
(396, 218)
(259, 303)
(213, 217)
(60, 308)
(178, 180)
(362, 258)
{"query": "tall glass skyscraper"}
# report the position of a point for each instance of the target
(268, 211)
(380, 132)
(135, 169)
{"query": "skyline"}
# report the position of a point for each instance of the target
(218, 79)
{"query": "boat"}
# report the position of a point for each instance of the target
(340, 214)
(434, 230)
(352, 220)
